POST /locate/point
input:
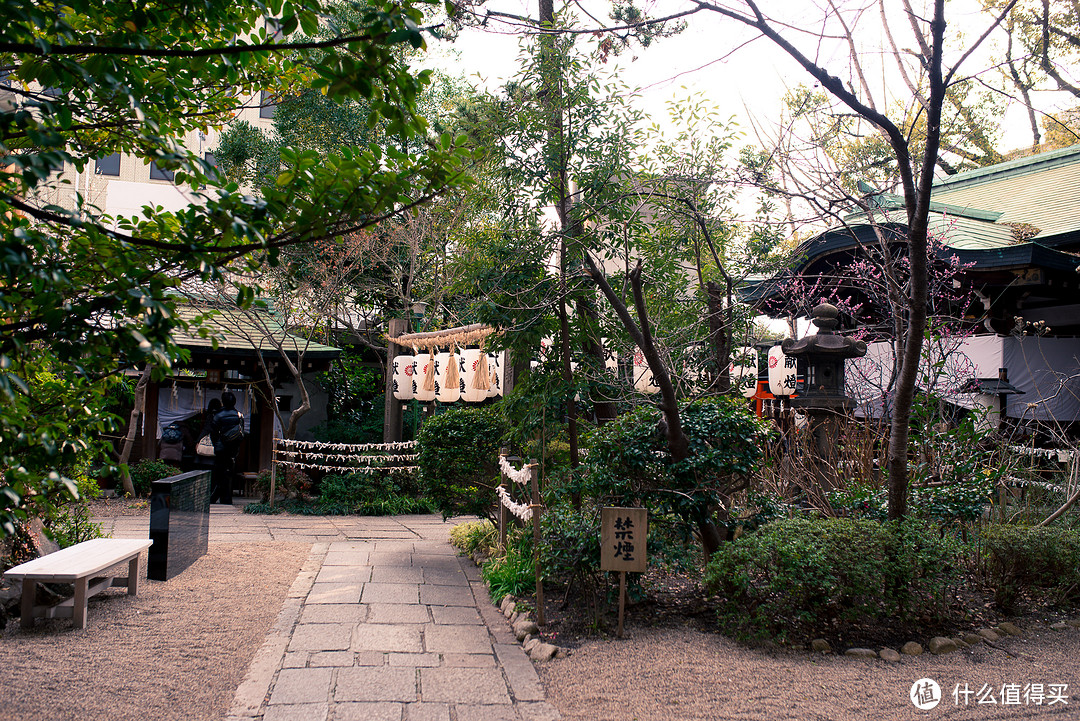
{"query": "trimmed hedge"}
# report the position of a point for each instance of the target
(1022, 561)
(458, 456)
(796, 577)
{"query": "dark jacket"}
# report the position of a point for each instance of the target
(222, 425)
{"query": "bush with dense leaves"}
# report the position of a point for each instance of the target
(797, 577)
(1025, 562)
(146, 471)
(513, 572)
(372, 494)
(474, 536)
(629, 463)
(458, 456)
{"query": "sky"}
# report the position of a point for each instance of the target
(742, 75)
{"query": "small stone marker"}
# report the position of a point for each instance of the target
(622, 546)
(1010, 628)
(888, 654)
(911, 648)
(820, 645)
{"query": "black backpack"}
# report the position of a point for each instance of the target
(172, 434)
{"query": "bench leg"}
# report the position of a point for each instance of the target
(133, 576)
(78, 610)
(29, 595)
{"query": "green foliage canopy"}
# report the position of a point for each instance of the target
(89, 293)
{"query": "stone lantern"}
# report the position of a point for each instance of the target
(821, 397)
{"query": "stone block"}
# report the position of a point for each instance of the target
(457, 639)
(368, 711)
(820, 645)
(911, 649)
(179, 523)
(888, 654)
(989, 634)
(301, 686)
(375, 683)
(383, 637)
(297, 712)
(390, 593)
(1009, 629)
(322, 637)
(463, 685)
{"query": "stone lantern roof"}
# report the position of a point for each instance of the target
(825, 343)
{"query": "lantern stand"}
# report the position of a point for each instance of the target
(821, 396)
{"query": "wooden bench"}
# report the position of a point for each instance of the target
(77, 564)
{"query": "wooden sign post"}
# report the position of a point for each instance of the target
(622, 546)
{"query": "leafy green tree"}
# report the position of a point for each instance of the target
(89, 293)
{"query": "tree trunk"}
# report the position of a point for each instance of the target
(918, 201)
(133, 422)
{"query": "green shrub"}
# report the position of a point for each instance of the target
(70, 524)
(149, 470)
(473, 536)
(629, 463)
(1024, 562)
(571, 549)
(799, 576)
(458, 456)
(372, 494)
(512, 573)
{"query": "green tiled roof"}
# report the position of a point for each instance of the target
(243, 330)
(1042, 190)
(956, 231)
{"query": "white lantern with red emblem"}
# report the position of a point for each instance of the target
(424, 362)
(643, 375)
(782, 374)
(470, 369)
(447, 385)
(404, 370)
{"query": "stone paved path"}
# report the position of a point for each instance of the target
(384, 623)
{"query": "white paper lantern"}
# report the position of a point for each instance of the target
(743, 371)
(420, 373)
(611, 359)
(446, 392)
(469, 366)
(404, 371)
(643, 375)
(782, 374)
(495, 368)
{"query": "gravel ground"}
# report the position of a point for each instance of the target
(178, 650)
(681, 674)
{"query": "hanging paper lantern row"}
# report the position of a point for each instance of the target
(782, 372)
(404, 369)
(447, 377)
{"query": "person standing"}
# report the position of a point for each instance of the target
(227, 432)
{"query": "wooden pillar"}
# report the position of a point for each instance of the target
(534, 477)
(392, 414)
(266, 427)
